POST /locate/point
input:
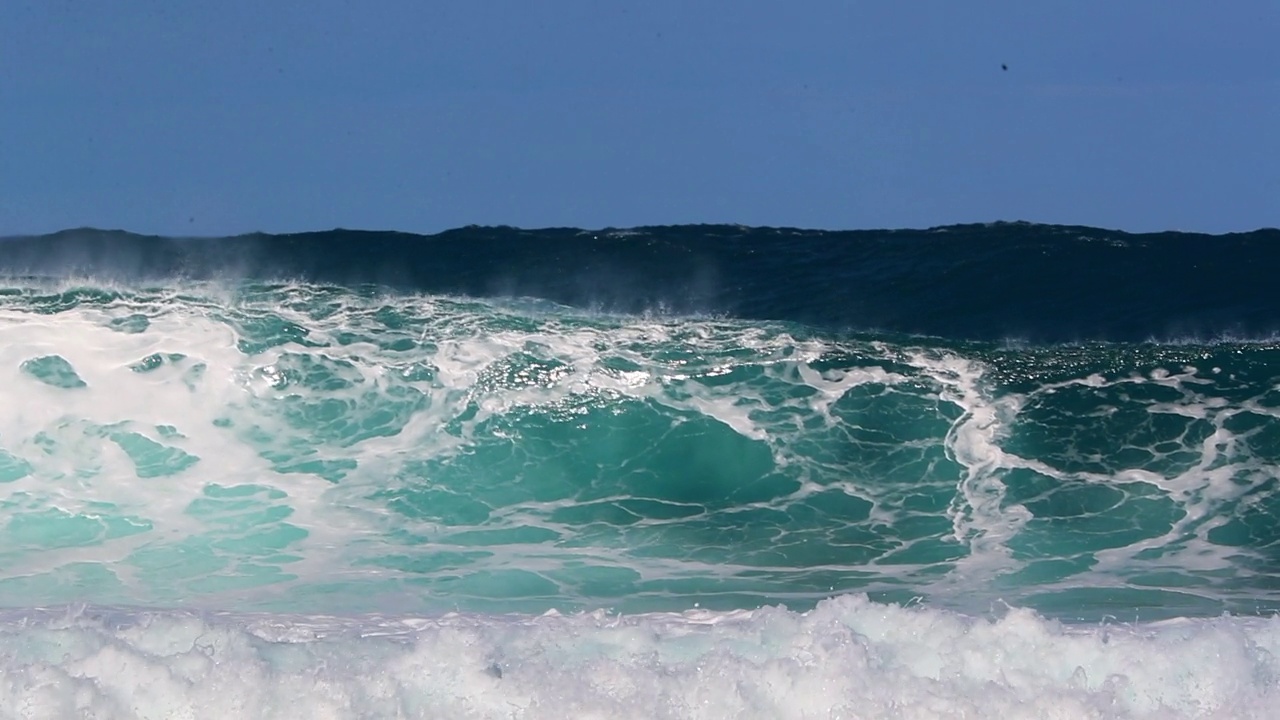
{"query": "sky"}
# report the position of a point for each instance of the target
(289, 115)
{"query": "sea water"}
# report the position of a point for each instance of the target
(994, 471)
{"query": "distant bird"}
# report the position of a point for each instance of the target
(1004, 67)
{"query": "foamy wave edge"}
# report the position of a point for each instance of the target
(847, 658)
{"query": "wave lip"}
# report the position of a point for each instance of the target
(1036, 283)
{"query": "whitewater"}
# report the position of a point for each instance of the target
(690, 472)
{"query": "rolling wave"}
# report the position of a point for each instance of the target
(1009, 470)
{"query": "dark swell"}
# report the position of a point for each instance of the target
(1040, 283)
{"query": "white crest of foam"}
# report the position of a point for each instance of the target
(848, 658)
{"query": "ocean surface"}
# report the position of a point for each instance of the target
(1005, 470)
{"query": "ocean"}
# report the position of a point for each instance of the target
(1005, 470)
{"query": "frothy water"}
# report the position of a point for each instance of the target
(847, 658)
(281, 499)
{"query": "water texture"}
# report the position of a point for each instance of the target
(723, 458)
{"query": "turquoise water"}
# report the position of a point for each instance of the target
(326, 449)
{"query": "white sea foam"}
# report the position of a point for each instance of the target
(848, 658)
(979, 516)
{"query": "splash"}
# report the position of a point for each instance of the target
(846, 658)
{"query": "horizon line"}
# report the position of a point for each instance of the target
(630, 228)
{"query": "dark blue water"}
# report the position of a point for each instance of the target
(1040, 283)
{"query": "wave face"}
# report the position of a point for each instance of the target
(282, 450)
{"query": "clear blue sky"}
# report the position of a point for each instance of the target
(281, 115)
